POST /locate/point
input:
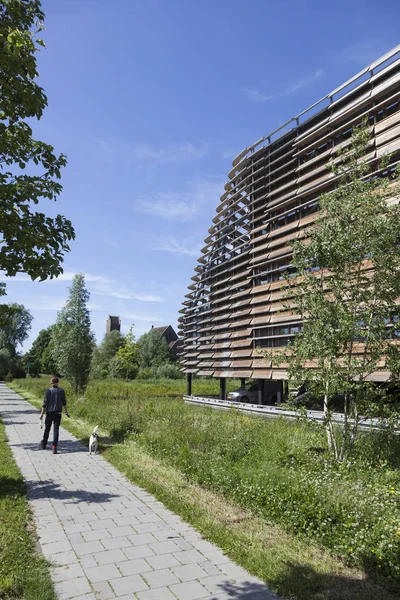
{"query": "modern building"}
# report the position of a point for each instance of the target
(235, 301)
(113, 324)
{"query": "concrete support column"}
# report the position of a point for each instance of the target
(222, 388)
(189, 384)
(260, 383)
(279, 393)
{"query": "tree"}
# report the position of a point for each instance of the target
(127, 358)
(346, 287)
(30, 170)
(153, 350)
(39, 355)
(72, 341)
(105, 352)
(15, 324)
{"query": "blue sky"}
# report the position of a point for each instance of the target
(150, 100)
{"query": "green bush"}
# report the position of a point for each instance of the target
(169, 371)
(146, 373)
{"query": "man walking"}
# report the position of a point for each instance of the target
(53, 403)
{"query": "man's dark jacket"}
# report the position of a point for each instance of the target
(54, 400)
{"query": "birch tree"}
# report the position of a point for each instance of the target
(72, 341)
(346, 288)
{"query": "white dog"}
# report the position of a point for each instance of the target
(94, 441)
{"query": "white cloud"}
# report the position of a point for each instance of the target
(147, 318)
(47, 303)
(184, 247)
(94, 306)
(129, 154)
(256, 95)
(99, 285)
(261, 96)
(302, 83)
(182, 206)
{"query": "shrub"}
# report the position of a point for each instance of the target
(169, 371)
(145, 373)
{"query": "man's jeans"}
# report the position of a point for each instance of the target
(52, 418)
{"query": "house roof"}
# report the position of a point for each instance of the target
(162, 329)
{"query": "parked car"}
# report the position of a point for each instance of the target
(247, 393)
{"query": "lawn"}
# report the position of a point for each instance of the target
(24, 573)
(265, 491)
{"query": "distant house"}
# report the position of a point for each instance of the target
(170, 336)
(113, 324)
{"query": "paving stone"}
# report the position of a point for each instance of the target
(55, 547)
(76, 538)
(142, 538)
(100, 524)
(131, 567)
(72, 588)
(189, 556)
(163, 547)
(189, 572)
(103, 590)
(189, 591)
(85, 518)
(128, 585)
(204, 546)
(64, 558)
(48, 537)
(79, 527)
(97, 534)
(209, 568)
(109, 556)
(138, 552)
(234, 571)
(118, 542)
(103, 573)
(118, 531)
(109, 514)
(67, 572)
(218, 584)
(163, 577)
(216, 557)
(161, 593)
(88, 548)
(127, 520)
(163, 561)
(147, 527)
(87, 560)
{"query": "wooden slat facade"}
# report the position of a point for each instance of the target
(236, 302)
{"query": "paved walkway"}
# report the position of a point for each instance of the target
(106, 537)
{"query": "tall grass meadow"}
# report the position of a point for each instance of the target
(279, 469)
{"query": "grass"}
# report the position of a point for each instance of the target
(262, 490)
(24, 573)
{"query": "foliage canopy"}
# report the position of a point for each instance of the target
(30, 241)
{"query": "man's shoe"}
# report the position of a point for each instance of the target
(54, 449)
(42, 446)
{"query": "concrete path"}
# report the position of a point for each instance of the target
(106, 537)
